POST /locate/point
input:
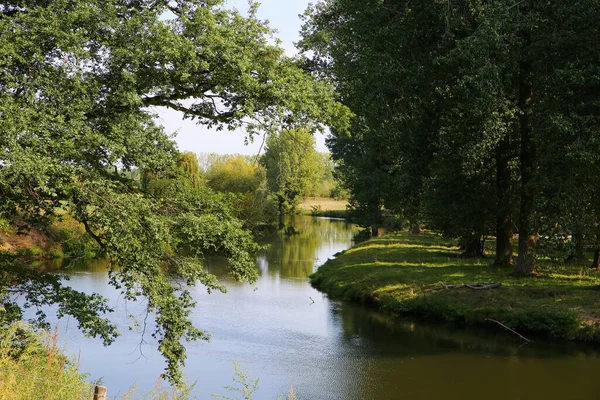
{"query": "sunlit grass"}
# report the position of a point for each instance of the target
(409, 274)
(323, 203)
(33, 367)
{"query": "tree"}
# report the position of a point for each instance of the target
(77, 83)
(235, 174)
(189, 164)
(292, 166)
(384, 158)
(451, 97)
(569, 149)
(244, 181)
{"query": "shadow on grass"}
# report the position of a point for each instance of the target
(409, 274)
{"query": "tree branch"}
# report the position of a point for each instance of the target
(92, 234)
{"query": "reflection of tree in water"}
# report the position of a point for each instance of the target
(68, 266)
(388, 336)
(291, 253)
(293, 250)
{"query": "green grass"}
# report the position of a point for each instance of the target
(324, 207)
(32, 367)
(406, 274)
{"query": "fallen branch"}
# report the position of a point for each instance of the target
(484, 286)
(511, 330)
(462, 285)
(474, 286)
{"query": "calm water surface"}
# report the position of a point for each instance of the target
(285, 333)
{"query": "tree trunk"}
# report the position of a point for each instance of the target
(473, 247)
(578, 253)
(414, 228)
(374, 230)
(527, 232)
(596, 261)
(504, 249)
(281, 212)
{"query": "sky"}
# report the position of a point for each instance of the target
(283, 16)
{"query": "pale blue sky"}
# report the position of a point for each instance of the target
(283, 16)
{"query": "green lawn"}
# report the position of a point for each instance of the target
(407, 274)
(324, 207)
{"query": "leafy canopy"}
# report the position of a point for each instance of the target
(78, 82)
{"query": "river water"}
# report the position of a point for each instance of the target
(285, 333)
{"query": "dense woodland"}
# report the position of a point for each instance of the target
(477, 119)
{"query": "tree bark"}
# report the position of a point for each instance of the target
(578, 253)
(374, 230)
(504, 249)
(473, 247)
(527, 232)
(596, 261)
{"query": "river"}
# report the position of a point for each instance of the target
(285, 333)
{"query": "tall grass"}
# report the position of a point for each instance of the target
(33, 367)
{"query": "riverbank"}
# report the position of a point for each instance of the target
(33, 367)
(324, 207)
(414, 275)
(65, 238)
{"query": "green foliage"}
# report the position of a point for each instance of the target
(244, 385)
(188, 163)
(235, 174)
(72, 240)
(78, 83)
(474, 117)
(327, 185)
(32, 367)
(244, 180)
(292, 166)
(5, 226)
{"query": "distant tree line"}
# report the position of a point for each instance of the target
(475, 118)
(261, 187)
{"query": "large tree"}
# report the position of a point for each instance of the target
(292, 164)
(78, 80)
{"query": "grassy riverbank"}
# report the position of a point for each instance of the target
(409, 274)
(324, 207)
(33, 367)
(65, 238)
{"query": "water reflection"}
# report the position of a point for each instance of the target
(396, 359)
(326, 349)
(297, 248)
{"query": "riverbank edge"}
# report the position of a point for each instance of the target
(333, 279)
(324, 207)
(64, 239)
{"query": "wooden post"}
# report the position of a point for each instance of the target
(100, 392)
